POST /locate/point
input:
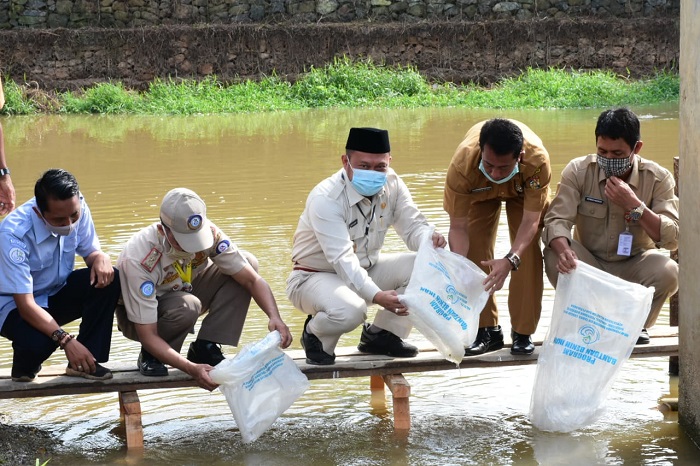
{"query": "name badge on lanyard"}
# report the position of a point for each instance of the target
(624, 244)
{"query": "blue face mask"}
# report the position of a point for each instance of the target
(515, 171)
(368, 182)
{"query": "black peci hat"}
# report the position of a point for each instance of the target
(370, 140)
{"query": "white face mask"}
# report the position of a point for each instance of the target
(173, 253)
(62, 230)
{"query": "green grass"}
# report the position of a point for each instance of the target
(346, 83)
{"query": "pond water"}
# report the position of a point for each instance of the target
(255, 171)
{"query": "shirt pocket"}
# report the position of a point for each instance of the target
(591, 225)
(593, 210)
(377, 234)
(70, 245)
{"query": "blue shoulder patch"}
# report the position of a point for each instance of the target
(147, 289)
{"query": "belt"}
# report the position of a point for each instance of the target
(303, 269)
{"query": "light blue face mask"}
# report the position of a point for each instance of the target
(368, 182)
(515, 171)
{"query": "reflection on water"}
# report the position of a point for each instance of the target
(254, 172)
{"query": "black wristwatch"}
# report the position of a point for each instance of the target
(58, 335)
(514, 260)
(4, 171)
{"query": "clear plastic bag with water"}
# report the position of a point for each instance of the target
(596, 321)
(444, 297)
(259, 384)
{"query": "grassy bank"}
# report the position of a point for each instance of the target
(349, 84)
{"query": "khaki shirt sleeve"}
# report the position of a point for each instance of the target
(457, 200)
(226, 255)
(458, 196)
(537, 172)
(665, 204)
(138, 292)
(560, 218)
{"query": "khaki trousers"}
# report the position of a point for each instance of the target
(650, 268)
(338, 309)
(224, 301)
(526, 283)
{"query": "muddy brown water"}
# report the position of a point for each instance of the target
(254, 171)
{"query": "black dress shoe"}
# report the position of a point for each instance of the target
(487, 339)
(314, 348)
(205, 352)
(385, 343)
(522, 344)
(150, 366)
(643, 337)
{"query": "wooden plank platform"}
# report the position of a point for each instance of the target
(382, 370)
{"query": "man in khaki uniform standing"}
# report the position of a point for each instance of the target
(178, 269)
(622, 209)
(501, 161)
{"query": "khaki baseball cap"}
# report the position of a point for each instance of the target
(185, 214)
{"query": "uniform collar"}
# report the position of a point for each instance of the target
(41, 233)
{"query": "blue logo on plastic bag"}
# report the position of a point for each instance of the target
(589, 334)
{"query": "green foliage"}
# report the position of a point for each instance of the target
(17, 101)
(101, 98)
(347, 83)
(358, 84)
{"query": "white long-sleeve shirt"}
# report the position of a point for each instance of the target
(342, 231)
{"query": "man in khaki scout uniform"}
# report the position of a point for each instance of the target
(178, 269)
(501, 161)
(622, 209)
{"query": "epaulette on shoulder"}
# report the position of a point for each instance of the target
(151, 260)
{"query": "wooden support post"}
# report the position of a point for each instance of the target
(130, 413)
(400, 391)
(673, 300)
(376, 382)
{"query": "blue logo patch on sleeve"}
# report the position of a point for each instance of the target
(147, 289)
(17, 255)
(222, 246)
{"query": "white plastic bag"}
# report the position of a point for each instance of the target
(445, 296)
(259, 384)
(596, 321)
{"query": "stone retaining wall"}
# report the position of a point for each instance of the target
(446, 51)
(140, 13)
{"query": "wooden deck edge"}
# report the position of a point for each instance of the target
(51, 382)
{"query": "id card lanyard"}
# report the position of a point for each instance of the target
(624, 243)
(185, 275)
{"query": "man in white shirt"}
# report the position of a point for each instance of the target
(338, 270)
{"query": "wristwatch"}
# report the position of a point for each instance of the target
(514, 260)
(4, 171)
(58, 335)
(636, 213)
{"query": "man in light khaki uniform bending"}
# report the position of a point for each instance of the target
(176, 270)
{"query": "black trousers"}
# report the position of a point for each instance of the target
(77, 299)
